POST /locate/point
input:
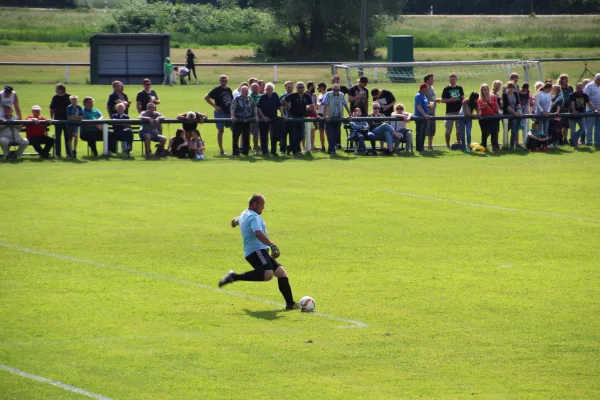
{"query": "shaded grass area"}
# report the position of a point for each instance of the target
(460, 301)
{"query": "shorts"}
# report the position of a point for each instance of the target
(73, 131)
(154, 137)
(321, 122)
(261, 259)
(564, 122)
(221, 114)
(430, 128)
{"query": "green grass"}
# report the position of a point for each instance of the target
(514, 31)
(460, 301)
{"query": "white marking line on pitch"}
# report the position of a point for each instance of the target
(54, 383)
(466, 203)
(171, 279)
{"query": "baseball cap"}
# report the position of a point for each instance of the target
(423, 86)
(36, 108)
(168, 58)
(8, 88)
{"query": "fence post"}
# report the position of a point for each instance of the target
(375, 74)
(67, 74)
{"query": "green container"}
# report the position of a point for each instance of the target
(400, 48)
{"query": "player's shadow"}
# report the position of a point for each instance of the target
(268, 315)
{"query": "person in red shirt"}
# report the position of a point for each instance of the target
(487, 104)
(36, 133)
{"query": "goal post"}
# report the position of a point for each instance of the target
(410, 72)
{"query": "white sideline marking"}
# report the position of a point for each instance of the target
(466, 203)
(171, 279)
(54, 383)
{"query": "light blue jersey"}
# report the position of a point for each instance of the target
(251, 222)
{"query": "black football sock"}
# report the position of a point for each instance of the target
(254, 275)
(286, 290)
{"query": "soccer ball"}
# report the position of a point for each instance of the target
(307, 304)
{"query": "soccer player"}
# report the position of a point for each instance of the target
(256, 244)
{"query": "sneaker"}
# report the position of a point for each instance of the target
(292, 306)
(544, 148)
(226, 279)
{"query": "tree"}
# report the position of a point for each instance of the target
(327, 27)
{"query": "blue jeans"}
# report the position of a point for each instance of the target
(544, 125)
(592, 124)
(464, 126)
(385, 132)
(333, 132)
(513, 127)
(575, 135)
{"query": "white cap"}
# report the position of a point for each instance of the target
(36, 108)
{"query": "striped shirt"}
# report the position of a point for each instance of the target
(593, 92)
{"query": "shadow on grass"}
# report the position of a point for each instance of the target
(269, 315)
(432, 153)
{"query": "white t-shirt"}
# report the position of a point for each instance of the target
(399, 125)
(183, 70)
(320, 101)
(10, 100)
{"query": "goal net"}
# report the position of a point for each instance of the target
(410, 72)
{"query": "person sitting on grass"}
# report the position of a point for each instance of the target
(151, 128)
(10, 134)
(74, 113)
(123, 133)
(536, 138)
(36, 134)
(190, 121)
(359, 131)
(179, 145)
(401, 132)
(196, 146)
(91, 133)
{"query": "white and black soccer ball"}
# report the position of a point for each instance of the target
(307, 304)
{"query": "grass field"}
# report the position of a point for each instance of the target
(441, 277)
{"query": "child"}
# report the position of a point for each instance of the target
(196, 146)
(536, 138)
(168, 71)
(122, 133)
(178, 145)
(322, 88)
(74, 113)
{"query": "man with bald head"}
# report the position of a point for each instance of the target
(256, 246)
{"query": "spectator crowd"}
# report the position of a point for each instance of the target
(270, 123)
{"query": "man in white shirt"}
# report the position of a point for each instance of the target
(593, 123)
(10, 134)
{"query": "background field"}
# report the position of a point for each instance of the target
(460, 301)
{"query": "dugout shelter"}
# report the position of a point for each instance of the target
(128, 57)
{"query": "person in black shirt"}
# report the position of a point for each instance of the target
(190, 121)
(453, 96)
(386, 99)
(220, 98)
(190, 63)
(299, 104)
(268, 104)
(335, 80)
(145, 96)
(58, 111)
(117, 94)
(577, 102)
(359, 96)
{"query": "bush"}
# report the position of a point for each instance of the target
(193, 23)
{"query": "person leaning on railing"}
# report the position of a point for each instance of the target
(10, 134)
(36, 133)
(151, 129)
(243, 108)
(592, 89)
(400, 129)
(487, 104)
(268, 105)
(334, 104)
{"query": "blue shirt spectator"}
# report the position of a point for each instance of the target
(421, 99)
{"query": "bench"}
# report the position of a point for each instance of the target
(23, 133)
(136, 138)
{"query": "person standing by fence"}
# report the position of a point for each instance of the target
(58, 111)
(220, 98)
(243, 109)
(190, 64)
(422, 110)
(453, 96)
(592, 89)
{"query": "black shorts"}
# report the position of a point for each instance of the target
(261, 259)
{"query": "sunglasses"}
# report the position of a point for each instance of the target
(336, 90)
(299, 87)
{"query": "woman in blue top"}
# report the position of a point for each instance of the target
(91, 133)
